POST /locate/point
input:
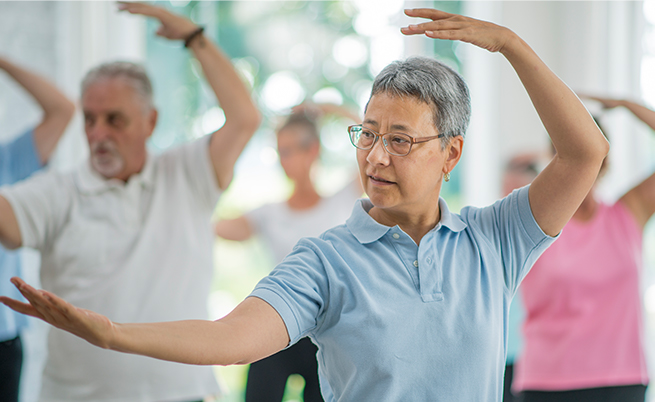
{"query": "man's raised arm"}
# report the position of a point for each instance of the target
(241, 115)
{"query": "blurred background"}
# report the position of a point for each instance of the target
(330, 51)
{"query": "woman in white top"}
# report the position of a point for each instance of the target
(280, 225)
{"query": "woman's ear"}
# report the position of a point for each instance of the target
(453, 153)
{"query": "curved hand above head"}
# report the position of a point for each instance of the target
(241, 115)
(173, 26)
(640, 111)
(607, 103)
(555, 194)
(448, 26)
(640, 199)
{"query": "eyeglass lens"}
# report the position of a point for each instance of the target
(395, 143)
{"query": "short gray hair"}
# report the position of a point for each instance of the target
(433, 83)
(133, 74)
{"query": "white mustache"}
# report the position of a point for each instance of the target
(105, 146)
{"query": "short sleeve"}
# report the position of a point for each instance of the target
(40, 204)
(197, 169)
(512, 230)
(18, 159)
(297, 289)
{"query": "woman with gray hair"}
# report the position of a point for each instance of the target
(407, 300)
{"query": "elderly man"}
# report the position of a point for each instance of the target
(19, 158)
(129, 233)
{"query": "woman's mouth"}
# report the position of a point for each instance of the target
(380, 181)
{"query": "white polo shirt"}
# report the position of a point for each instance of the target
(139, 251)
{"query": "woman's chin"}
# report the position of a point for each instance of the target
(382, 201)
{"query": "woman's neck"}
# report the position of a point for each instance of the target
(415, 225)
(304, 195)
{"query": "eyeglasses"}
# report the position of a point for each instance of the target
(397, 144)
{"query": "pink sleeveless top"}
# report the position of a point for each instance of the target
(583, 326)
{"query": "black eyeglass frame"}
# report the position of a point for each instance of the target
(412, 140)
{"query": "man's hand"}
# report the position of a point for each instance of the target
(173, 26)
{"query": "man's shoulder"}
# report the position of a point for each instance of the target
(180, 151)
(62, 180)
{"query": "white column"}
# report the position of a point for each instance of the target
(480, 160)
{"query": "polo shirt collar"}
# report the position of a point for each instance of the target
(367, 230)
(91, 181)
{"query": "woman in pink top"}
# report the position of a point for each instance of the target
(583, 330)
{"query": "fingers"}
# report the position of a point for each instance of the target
(140, 8)
(20, 307)
(432, 26)
(427, 13)
(43, 305)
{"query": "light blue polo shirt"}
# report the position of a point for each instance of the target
(394, 321)
(18, 160)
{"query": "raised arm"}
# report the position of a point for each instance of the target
(10, 236)
(560, 188)
(640, 111)
(252, 331)
(57, 108)
(641, 198)
(241, 115)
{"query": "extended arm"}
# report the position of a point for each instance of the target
(241, 115)
(558, 191)
(252, 331)
(237, 229)
(57, 108)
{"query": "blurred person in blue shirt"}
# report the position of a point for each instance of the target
(19, 158)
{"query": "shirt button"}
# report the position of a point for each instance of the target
(416, 263)
(396, 236)
(429, 260)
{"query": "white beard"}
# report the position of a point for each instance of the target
(110, 163)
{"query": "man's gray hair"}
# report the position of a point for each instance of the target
(133, 74)
(434, 83)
